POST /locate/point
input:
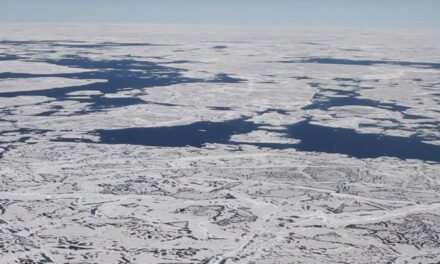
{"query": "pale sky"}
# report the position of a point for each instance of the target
(327, 13)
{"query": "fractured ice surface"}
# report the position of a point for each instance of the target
(150, 144)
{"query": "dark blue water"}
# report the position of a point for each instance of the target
(25, 134)
(122, 74)
(4, 57)
(348, 98)
(328, 102)
(225, 78)
(220, 108)
(340, 79)
(434, 65)
(53, 109)
(76, 44)
(301, 78)
(274, 110)
(178, 62)
(132, 73)
(313, 138)
(98, 102)
(220, 47)
(347, 93)
(412, 116)
(319, 138)
(195, 134)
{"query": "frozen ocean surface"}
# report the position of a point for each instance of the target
(166, 144)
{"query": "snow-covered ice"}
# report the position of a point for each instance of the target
(171, 144)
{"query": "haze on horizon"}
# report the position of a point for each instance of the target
(319, 13)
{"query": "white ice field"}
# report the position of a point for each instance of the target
(174, 144)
